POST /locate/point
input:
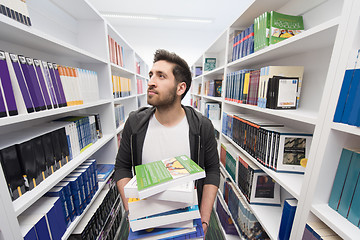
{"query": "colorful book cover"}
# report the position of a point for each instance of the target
(210, 64)
(155, 177)
(284, 26)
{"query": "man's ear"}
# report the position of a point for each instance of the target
(181, 87)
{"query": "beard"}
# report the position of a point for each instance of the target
(164, 100)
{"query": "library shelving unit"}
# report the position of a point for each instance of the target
(70, 33)
(332, 33)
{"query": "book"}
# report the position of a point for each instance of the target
(340, 177)
(287, 218)
(170, 217)
(103, 171)
(354, 210)
(195, 231)
(286, 148)
(225, 219)
(285, 71)
(149, 206)
(347, 84)
(350, 184)
(6, 86)
(16, 10)
(210, 64)
(155, 177)
(178, 193)
(282, 92)
(283, 26)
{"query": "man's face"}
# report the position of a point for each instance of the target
(162, 86)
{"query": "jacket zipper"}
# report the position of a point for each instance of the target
(132, 154)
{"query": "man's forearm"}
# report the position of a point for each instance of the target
(207, 202)
(120, 185)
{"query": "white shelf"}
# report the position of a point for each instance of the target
(312, 39)
(216, 71)
(295, 115)
(217, 99)
(116, 100)
(344, 228)
(47, 113)
(268, 216)
(121, 70)
(27, 199)
(121, 127)
(291, 182)
(30, 37)
(345, 128)
(93, 203)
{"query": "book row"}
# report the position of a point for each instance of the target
(274, 87)
(345, 193)
(278, 147)
(213, 88)
(100, 217)
(116, 52)
(29, 156)
(195, 102)
(225, 219)
(348, 106)
(213, 110)
(245, 220)
(16, 10)
(319, 231)
(51, 215)
(141, 86)
(119, 114)
(29, 85)
(121, 86)
(268, 28)
(256, 186)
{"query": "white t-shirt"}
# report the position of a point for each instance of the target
(163, 142)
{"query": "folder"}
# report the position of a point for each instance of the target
(7, 88)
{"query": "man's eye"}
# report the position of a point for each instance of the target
(162, 76)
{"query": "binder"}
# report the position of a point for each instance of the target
(49, 153)
(33, 86)
(45, 69)
(22, 83)
(42, 83)
(58, 80)
(60, 100)
(7, 88)
(40, 157)
(12, 171)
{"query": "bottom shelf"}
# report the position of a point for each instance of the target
(336, 222)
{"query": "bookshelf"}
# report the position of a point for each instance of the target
(70, 33)
(323, 51)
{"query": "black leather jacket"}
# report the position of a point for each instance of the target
(203, 146)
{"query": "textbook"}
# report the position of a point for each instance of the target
(166, 218)
(169, 233)
(287, 218)
(155, 177)
(284, 26)
(210, 64)
(149, 206)
(179, 193)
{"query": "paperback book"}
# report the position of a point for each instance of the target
(155, 177)
(284, 26)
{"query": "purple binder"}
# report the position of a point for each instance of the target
(32, 83)
(31, 67)
(61, 101)
(42, 83)
(6, 85)
(57, 75)
(22, 84)
(50, 84)
(2, 106)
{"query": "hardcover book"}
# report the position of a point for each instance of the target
(287, 218)
(210, 64)
(155, 177)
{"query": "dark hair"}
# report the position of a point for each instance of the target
(181, 70)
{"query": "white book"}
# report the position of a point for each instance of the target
(147, 207)
(167, 218)
(181, 193)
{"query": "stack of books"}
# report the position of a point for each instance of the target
(163, 201)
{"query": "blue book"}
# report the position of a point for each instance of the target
(355, 111)
(346, 84)
(29, 233)
(170, 233)
(350, 101)
(354, 212)
(340, 177)
(350, 184)
(287, 218)
(104, 170)
(60, 193)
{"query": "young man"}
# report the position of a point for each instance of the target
(169, 129)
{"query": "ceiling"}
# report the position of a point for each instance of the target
(175, 30)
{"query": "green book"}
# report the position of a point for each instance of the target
(210, 64)
(155, 177)
(283, 26)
